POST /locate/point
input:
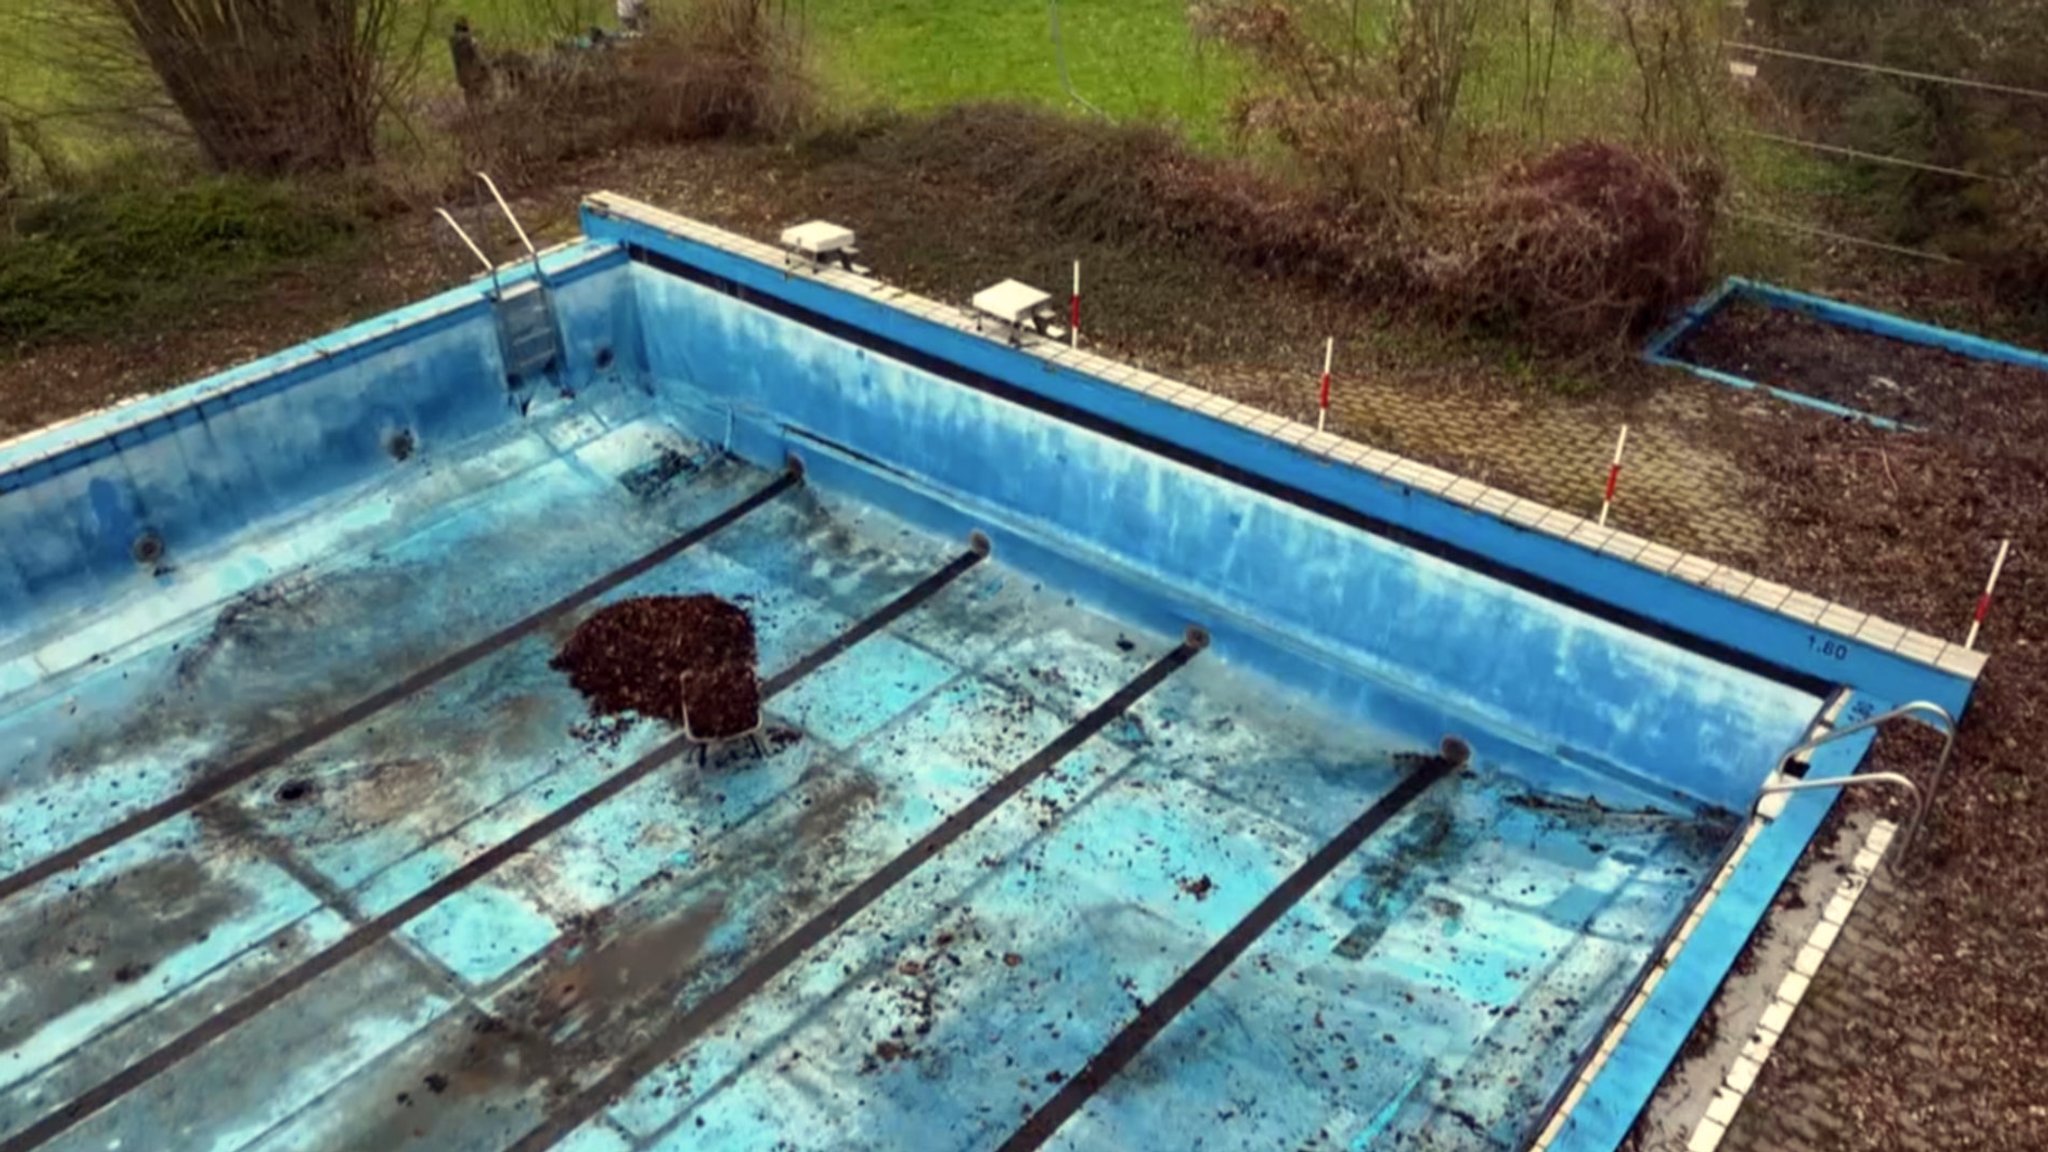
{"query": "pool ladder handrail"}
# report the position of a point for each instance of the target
(518, 229)
(1940, 720)
(490, 268)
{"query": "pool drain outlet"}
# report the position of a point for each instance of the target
(148, 548)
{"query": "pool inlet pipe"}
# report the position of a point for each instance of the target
(1984, 601)
(1613, 476)
(1323, 395)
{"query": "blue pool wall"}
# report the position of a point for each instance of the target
(1660, 349)
(201, 464)
(1510, 662)
(1782, 642)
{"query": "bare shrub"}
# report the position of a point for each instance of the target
(2019, 274)
(1141, 185)
(264, 87)
(1369, 118)
(710, 69)
(1680, 76)
(1574, 250)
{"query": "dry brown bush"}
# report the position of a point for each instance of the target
(1572, 251)
(1576, 249)
(708, 69)
(1141, 185)
(2019, 273)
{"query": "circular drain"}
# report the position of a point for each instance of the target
(294, 791)
(148, 548)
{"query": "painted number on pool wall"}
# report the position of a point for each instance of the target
(1832, 649)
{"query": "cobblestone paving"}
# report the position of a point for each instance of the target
(1796, 1104)
(1541, 446)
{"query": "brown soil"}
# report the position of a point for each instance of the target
(1911, 383)
(689, 660)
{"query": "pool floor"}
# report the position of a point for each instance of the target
(339, 952)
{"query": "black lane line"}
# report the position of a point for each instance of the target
(1125, 1046)
(1506, 572)
(692, 1025)
(372, 932)
(270, 757)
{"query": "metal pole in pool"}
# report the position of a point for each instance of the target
(1074, 308)
(1613, 476)
(1323, 399)
(1984, 601)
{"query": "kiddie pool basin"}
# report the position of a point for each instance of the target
(340, 951)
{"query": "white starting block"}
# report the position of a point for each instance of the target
(1013, 305)
(819, 243)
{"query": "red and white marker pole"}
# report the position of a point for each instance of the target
(1074, 307)
(1984, 601)
(1613, 476)
(1323, 395)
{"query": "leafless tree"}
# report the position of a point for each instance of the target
(263, 87)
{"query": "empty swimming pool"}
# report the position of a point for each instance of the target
(1137, 771)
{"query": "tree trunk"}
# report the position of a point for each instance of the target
(269, 87)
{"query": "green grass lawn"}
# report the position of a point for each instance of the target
(1130, 58)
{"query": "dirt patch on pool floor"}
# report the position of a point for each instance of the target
(689, 660)
(1912, 383)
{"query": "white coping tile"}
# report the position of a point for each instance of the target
(1466, 492)
(1758, 1047)
(1322, 443)
(1961, 661)
(1559, 524)
(1435, 480)
(1824, 935)
(1777, 1017)
(1694, 569)
(1769, 595)
(1921, 647)
(1660, 558)
(1721, 1109)
(1881, 634)
(1294, 433)
(1766, 594)
(1623, 546)
(1592, 535)
(1742, 1074)
(1843, 619)
(1803, 607)
(1730, 581)
(1792, 989)
(1706, 1138)
(1377, 462)
(1496, 501)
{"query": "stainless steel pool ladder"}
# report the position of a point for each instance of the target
(527, 330)
(1934, 715)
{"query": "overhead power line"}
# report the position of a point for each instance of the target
(1872, 157)
(1885, 70)
(1840, 237)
